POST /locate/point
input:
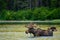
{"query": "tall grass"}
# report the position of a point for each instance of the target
(21, 27)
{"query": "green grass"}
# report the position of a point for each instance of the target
(12, 28)
(16, 32)
(21, 27)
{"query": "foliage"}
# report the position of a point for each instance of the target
(29, 10)
(42, 13)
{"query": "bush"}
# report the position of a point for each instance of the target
(42, 13)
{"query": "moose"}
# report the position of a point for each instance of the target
(40, 32)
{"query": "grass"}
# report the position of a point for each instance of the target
(16, 32)
(21, 27)
(12, 28)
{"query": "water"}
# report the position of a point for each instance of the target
(23, 36)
